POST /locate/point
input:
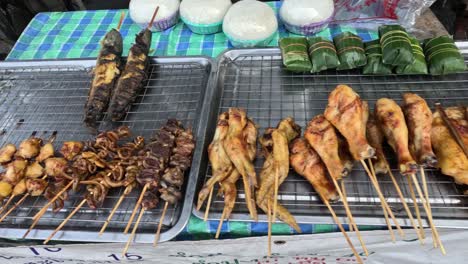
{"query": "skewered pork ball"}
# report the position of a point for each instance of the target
(7, 152)
(34, 170)
(29, 148)
(71, 148)
(46, 152)
(15, 171)
(5, 189)
(20, 188)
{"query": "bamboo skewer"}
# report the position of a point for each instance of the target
(122, 15)
(135, 209)
(275, 197)
(345, 195)
(390, 229)
(44, 208)
(416, 206)
(161, 220)
(348, 212)
(208, 204)
(428, 204)
(5, 206)
(337, 221)
(220, 225)
(269, 227)
(65, 221)
(132, 236)
(431, 222)
(14, 207)
(382, 198)
(109, 218)
(405, 205)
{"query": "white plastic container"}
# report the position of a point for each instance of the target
(204, 16)
(250, 23)
(141, 12)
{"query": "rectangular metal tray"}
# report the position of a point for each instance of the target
(48, 96)
(255, 79)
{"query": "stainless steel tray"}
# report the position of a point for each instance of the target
(48, 96)
(255, 80)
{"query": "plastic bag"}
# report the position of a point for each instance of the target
(370, 14)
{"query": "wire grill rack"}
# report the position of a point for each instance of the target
(256, 81)
(49, 96)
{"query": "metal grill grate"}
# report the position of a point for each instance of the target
(256, 81)
(49, 97)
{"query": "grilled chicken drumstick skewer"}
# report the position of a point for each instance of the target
(306, 162)
(349, 115)
(321, 136)
(393, 125)
(379, 165)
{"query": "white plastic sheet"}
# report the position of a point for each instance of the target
(313, 249)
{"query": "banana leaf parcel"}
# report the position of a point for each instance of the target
(350, 51)
(419, 65)
(374, 59)
(396, 45)
(294, 53)
(323, 55)
(442, 56)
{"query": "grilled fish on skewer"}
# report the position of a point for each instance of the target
(346, 112)
(7, 152)
(105, 76)
(452, 160)
(392, 122)
(236, 148)
(419, 120)
(307, 163)
(321, 135)
(131, 80)
(376, 139)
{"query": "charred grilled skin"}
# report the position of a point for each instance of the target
(131, 80)
(392, 122)
(419, 120)
(376, 139)
(452, 160)
(346, 112)
(323, 138)
(221, 165)
(105, 76)
(307, 163)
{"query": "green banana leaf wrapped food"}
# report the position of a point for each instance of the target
(374, 59)
(396, 45)
(350, 51)
(323, 55)
(442, 56)
(419, 65)
(294, 53)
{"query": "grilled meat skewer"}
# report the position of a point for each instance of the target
(376, 139)
(7, 152)
(132, 77)
(105, 76)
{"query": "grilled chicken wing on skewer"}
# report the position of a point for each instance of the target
(7, 153)
(419, 120)
(47, 151)
(221, 165)
(376, 139)
(346, 112)
(452, 160)
(15, 171)
(34, 170)
(236, 148)
(307, 163)
(131, 80)
(105, 76)
(392, 122)
(321, 135)
(275, 144)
